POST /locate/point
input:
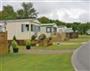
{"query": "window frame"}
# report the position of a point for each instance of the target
(35, 28)
(25, 28)
(50, 29)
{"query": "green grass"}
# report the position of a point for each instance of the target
(60, 47)
(42, 62)
(22, 62)
(82, 38)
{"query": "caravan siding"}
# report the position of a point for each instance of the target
(15, 28)
(44, 31)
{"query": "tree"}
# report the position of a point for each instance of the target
(27, 12)
(69, 25)
(8, 13)
(59, 22)
(44, 19)
(47, 20)
(75, 26)
(1, 17)
(20, 13)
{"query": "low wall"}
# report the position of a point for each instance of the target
(58, 37)
(20, 42)
(72, 35)
(3, 43)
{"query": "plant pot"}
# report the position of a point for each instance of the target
(28, 47)
(15, 50)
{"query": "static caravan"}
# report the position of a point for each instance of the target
(71, 34)
(48, 29)
(61, 35)
(61, 29)
(2, 27)
(23, 29)
(88, 32)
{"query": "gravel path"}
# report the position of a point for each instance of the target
(44, 51)
(40, 51)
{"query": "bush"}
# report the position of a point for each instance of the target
(49, 41)
(33, 37)
(50, 38)
(14, 44)
(42, 37)
(14, 38)
(28, 42)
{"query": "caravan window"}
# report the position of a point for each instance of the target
(32, 27)
(48, 29)
(54, 29)
(25, 27)
(35, 28)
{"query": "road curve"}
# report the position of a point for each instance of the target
(81, 58)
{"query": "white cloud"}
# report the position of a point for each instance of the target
(61, 13)
(75, 13)
(69, 15)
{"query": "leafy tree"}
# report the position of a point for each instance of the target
(1, 17)
(69, 25)
(47, 20)
(59, 22)
(27, 12)
(7, 13)
(44, 19)
(20, 13)
(75, 26)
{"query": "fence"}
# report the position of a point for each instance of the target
(3, 43)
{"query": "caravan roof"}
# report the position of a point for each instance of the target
(49, 24)
(21, 20)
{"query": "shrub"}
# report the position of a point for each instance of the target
(49, 41)
(14, 38)
(42, 37)
(33, 37)
(28, 42)
(14, 44)
(50, 38)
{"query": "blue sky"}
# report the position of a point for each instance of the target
(64, 10)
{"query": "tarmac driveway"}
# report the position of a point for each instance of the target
(81, 58)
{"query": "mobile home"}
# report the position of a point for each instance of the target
(71, 34)
(2, 27)
(61, 29)
(61, 33)
(48, 29)
(88, 32)
(22, 28)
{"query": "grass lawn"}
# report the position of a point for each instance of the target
(42, 62)
(21, 62)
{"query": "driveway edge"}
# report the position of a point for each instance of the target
(74, 54)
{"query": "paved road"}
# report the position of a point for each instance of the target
(81, 58)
